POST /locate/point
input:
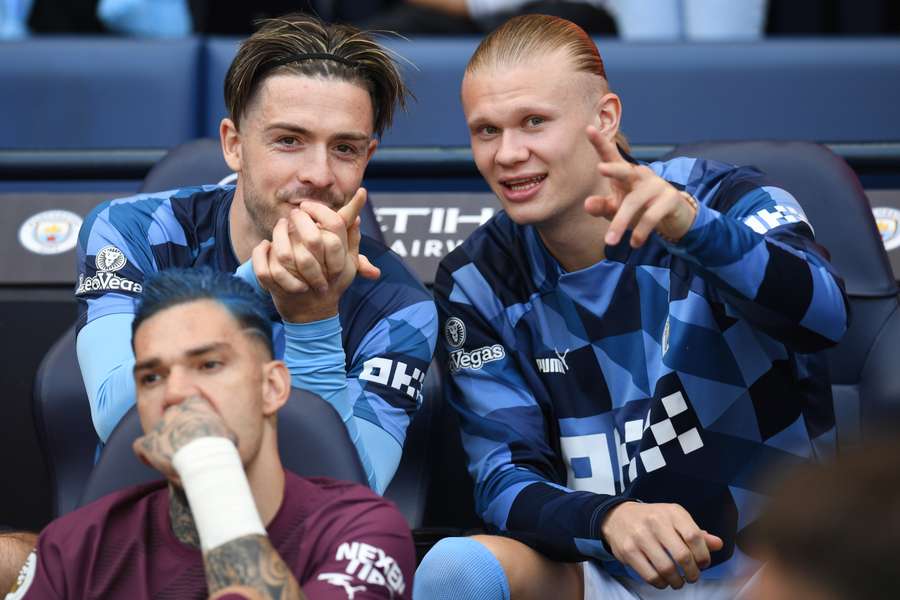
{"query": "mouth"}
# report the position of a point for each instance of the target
(519, 189)
(296, 202)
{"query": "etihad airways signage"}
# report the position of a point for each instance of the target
(424, 228)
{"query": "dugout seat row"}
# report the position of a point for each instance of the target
(107, 93)
(431, 486)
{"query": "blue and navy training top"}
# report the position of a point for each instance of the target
(668, 373)
(388, 327)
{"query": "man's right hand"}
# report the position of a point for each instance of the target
(180, 424)
(656, 539)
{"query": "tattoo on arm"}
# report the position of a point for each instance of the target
(251, 561)
(182, 424)
(181, 517)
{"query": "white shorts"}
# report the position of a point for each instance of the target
(600, 585)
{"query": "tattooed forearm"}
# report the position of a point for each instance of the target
(182, 520)
(251, 561)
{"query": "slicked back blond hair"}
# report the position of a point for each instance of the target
(357, 58)
(526, 37)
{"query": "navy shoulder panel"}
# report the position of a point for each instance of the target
(502, 252)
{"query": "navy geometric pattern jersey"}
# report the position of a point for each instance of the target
(667, 373)
(385, 323)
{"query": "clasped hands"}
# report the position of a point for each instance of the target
(312, 259)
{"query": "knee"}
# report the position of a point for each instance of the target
(460, 568)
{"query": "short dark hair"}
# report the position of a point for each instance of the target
(173, 287)
(838, 523)
(328, 50)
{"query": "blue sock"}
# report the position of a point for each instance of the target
(457, 568)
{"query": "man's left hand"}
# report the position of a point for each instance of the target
(640, 199)
(180, 424)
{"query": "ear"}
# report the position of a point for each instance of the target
(373, 143)
(608, 115)
(230, 138)
(276, 386)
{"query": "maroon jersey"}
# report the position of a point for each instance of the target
(339, 539)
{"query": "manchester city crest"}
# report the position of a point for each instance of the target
(887, 220)
(50, 232)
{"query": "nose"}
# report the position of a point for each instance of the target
(512, 149)
(315, 170)
(179, 386)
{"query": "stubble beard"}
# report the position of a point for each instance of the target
(264, 214)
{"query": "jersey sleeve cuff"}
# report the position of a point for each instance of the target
(693, 243)
(246, 274)
(602, 551)
(312, 330)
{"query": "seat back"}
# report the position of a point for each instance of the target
(432, 487)
(312, 441)
(864, 377)
(90, 92)
(409, 487)
(312, 438)
(201, 162)
(62, 417)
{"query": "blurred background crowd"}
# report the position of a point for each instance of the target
(628, 19)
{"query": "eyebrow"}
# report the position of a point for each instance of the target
(152, 363)
(519, 113)
(342, 135)
(478, 123)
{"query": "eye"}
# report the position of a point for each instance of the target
(148, 379)
(488, 130)
(348, 149)
(210, 365)
(534, 121)
(288, 141)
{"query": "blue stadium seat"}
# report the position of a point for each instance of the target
(822, 90)
(312, 442)
(819, 90)
(125, 93)
(865, 378)
(62, 418)
(62, 93)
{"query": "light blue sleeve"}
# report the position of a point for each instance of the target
(315, 358)
(314, 355)
(245, 273)
(106, 360)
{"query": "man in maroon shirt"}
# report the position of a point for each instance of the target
(229, 521)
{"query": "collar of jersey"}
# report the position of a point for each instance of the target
(547, 273)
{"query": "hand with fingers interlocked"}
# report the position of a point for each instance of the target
(640, 200)
(312, 259)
